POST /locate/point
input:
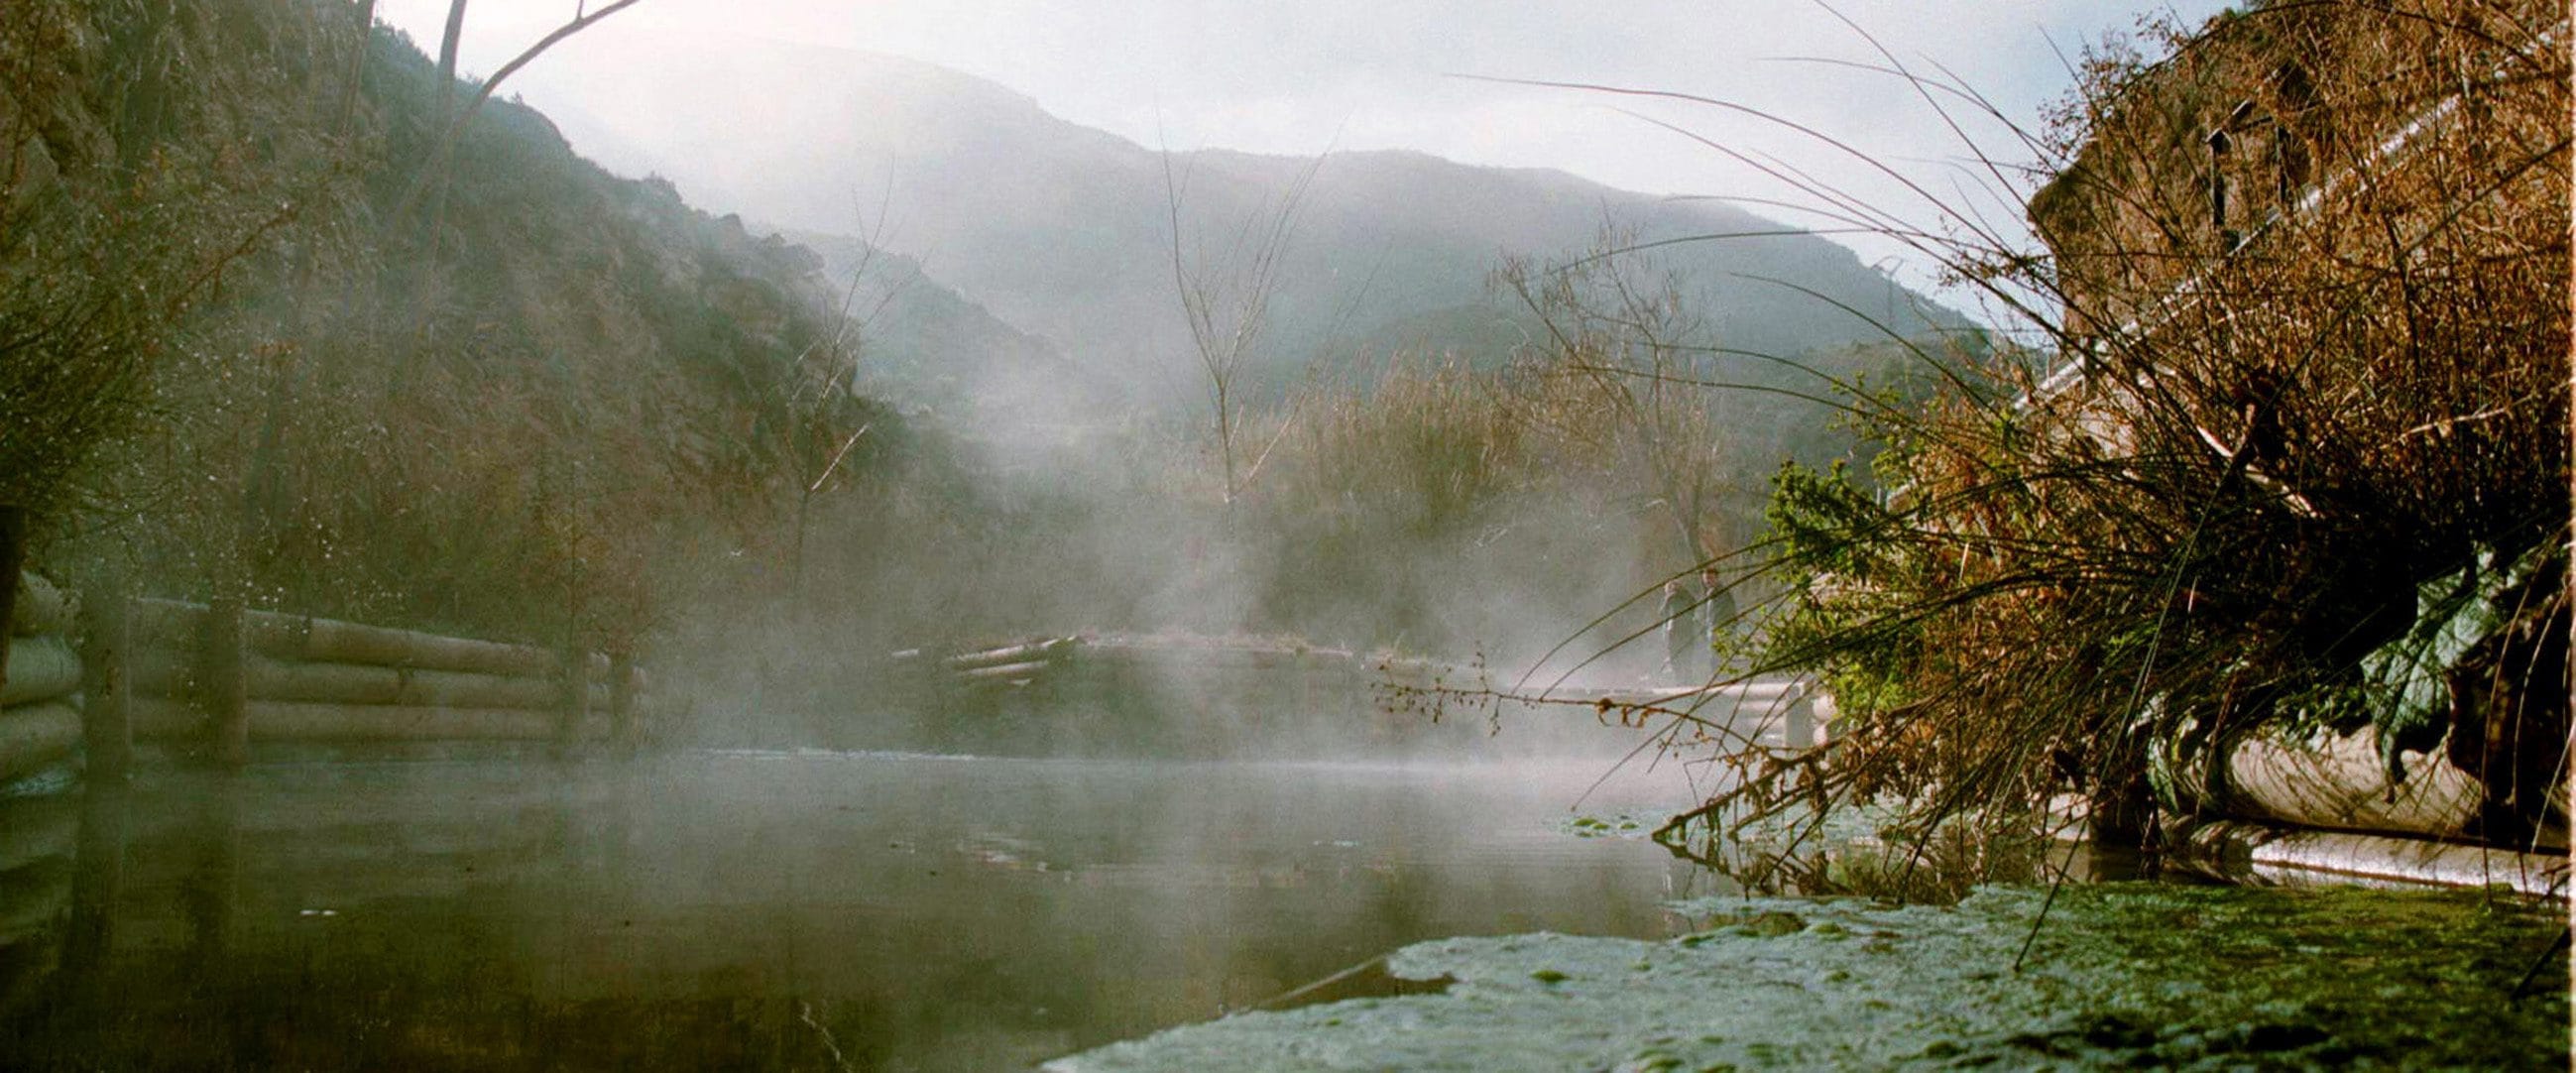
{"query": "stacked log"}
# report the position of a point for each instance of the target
(2242, 850)
(40, 716)
(2326, 781)
(1225, 696)
(1012, 666)
(2326, 808)
(2341, 782)
(302, 679)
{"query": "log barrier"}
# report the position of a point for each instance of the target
(40, 718)
(218, 678)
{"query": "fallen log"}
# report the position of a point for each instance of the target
(2238, 849)
(33, 736)
(1211, 651)
(2340, 782)
(1125, 672)
(1188, 666)
(1035, 651)
(1184, 661)
(313, 640)
(1006, 671)
(40, 668)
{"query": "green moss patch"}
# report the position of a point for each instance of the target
(2118, 976)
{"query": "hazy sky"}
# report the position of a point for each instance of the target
(1305, 76)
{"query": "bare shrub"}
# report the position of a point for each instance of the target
(2283, 420)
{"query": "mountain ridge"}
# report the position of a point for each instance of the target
(1064, 231)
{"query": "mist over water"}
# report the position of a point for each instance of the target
(769, 908)
(1042, 585)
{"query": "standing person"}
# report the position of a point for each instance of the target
(1681, 629)
(1717, 620)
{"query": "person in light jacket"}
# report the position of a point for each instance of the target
(1683, 634)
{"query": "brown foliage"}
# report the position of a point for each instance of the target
(2271, 427)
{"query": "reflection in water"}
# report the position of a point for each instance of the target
(98, 878)
(37, 845)
(860, 911)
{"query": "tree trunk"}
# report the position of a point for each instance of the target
(107, 684)
(357, 67)
(224, 689)
(447, 47)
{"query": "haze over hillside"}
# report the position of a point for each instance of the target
(1065, 231)
(923, 343)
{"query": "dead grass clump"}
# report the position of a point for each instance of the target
(2310, 377)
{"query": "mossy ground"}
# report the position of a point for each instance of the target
(2119, 976)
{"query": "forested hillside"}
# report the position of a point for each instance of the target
(261, 335)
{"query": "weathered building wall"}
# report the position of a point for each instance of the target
(2303, 94)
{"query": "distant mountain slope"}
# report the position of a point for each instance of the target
(1064, 231)
(921, 342)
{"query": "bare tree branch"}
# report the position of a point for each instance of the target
(453, 127)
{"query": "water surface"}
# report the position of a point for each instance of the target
(773, 910)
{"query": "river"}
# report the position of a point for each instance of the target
(758, 910)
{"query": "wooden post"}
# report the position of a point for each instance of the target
(98, 885)
(224, 686)
(621, 701)
(107, 692)
(210, 890)
(575, 703)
